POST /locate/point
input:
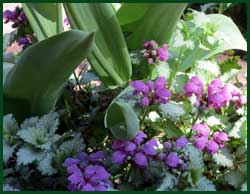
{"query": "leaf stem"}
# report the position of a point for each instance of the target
(194, 121)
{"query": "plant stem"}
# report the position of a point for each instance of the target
(77, 82)
(175, 70)
(221, 8)
(146, 111)
(194, 121)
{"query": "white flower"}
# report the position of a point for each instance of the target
(153, 116)
(209, 66)
(212, 121)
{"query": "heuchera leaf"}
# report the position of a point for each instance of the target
(33, 85)
(110, 58)
(44, 18)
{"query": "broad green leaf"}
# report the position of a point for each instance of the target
(6, 69)
(171, 129)
(44, 18)
(6, 40)
(35, 82)
(131, 12)
(122, 120)
(157, 24)
(110, 58)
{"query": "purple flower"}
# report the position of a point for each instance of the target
(119, 157)
(118, 144)
(88, 187)
(70, 161)
(202, 130)
(23, 41)
(83, 156)
(139, 138)
(200, 143)
(172, 160)
(130, 146)
(161, 156)
(167, 146)
(96, 172)
(162, 53)
(150, 45)
(215, 86)
(97, 156)
(145, 101)
(218, 99)
(212, 147)
(10, 16)
(148, 147)
(183, 166)
(160, 83)
(22, 17)
(181, 142)
(162, 95)
(141, 160)
(100, 187)
(194, 86)
(140, 88)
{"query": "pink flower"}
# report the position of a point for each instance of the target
(212, 147)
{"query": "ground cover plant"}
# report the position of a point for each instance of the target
(139, 97)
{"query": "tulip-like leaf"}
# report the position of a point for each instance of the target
(110, 58)
(157, 24)
(44, 18)
(122, 120)
(33, 85)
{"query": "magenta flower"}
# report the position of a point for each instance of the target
(145, 101)
(212, 147)
(215, 86)
(172, 160)
(194, 86)
(162, 53)
(141, 160)
(140, 87)
(200, 143)
(154, 53)
(181, 142)
(202, 130)
(220, 138)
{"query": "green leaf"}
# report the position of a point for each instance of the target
(172, 110)
(223, 158)
(45, 165)
(35, 82)
(179, 82)
(131, 12)
(122, 120)
(205, 184)
(110, 58)
(168, 182)
(44, 18)
(6, 69)
(7, 151)
(239, 130)
(227, 37)
(234, 178)
(244, 186)
(196, 164)
(6, 40)
(157, 24)
(10, 125)
(171, 129)
(25, 156)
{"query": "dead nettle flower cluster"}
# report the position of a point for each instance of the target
(19, 20)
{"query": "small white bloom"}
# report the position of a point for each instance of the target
(209, 66)
(212, 121)
(153, 116)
